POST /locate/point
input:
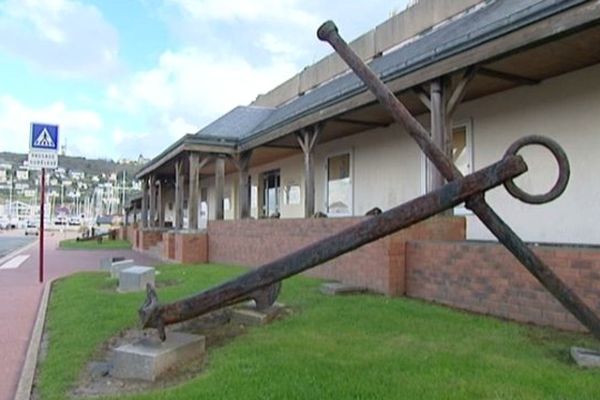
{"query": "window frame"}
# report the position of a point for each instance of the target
(350, 153)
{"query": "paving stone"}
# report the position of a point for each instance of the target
(118, 266)
(135, 278)
(148, 358)
(586, 357)
(247, 314)
(338, 288)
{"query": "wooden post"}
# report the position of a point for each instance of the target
(178, 206)
(439, 130)
(161, 203)
(145, 203)
(219, 186)
(307, 138)
(152, 202)
(243, 206)
(193, 193)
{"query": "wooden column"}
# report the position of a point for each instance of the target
(126, 218)
(161, 203)
(144, 203)
(178, 206)
(439, 130)
(152, 202)
(193, 191)
(242, 162)
(307, 138)
(219, 186)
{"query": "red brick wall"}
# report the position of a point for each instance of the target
(486, 278)
(169, 245)
(378, 266)
(149, 238)
(191, 248)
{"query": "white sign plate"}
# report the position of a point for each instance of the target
(39, 160)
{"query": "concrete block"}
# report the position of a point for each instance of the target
(338, 288)
(135, 279)
(249, 315)
(106, 263)
(149, 358)
(585, 357)
(117, 267)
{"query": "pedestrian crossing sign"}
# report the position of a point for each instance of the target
(44, 137)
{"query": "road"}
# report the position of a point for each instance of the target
(11, 241)
(20, 293)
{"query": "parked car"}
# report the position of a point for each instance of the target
(74, 221)
(32, 228)
(4, 222)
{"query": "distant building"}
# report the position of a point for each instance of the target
(77, 175)
(22, 174)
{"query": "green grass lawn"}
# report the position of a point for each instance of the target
(357, 347)
(106, 244)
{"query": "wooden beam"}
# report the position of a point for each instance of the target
(194, 162)
(243, 206)
(161, 204)
(219, 187)
(152, 202)
(460, 89)
(307, 138)
(439, 131)
(506, 76)
(280, 146)
(178, 206)
(369, 124)
(422, 95)
(144, 215)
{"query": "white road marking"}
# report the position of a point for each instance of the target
(14, 262)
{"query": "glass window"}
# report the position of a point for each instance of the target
(339, 185)
(271, 187)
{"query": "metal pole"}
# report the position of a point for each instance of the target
(42, 189)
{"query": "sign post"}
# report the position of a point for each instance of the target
(43, 154)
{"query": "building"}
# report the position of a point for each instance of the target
(478, 74)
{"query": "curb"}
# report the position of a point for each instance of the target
(28, 370)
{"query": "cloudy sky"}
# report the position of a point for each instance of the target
(124, 77)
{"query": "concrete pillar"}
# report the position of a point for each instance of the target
(219, 187)
(243, 207)
(152, 202)
(145, 203)
(178, 206)
(193, 191)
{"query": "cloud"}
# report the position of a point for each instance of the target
(81, 128)
(190, 88)
(64, 37)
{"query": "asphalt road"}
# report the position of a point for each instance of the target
(8, 244)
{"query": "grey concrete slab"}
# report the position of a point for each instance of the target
(149, 358)
(247, 314)
(338, 288)
(586, 357)
(117, 267)
(135, 279)
(106, 263)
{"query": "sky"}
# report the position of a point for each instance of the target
(128, 77)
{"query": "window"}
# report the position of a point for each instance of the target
(339, 185)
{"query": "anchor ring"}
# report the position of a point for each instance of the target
(564, 170)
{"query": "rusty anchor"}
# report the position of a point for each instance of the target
(263, 284)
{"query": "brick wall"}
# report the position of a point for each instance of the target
(148, 238)
(169, 245)
(191, 248)
(486, 278)
(378, 265)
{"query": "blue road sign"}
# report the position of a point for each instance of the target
(44, 137)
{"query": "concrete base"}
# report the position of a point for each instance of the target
(248, 315)
(106, 263)
(586, 357)
(149, 358)
(338, 288)
(117, 267)
(135, 279)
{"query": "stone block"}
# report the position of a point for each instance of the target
(135, 279)
(338, 288)
(148, 358)
(117, 267)
(248, 315)
(106, 263)
(586, 357)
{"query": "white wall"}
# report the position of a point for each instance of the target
(566, 109)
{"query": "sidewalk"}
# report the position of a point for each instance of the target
(20, 294)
